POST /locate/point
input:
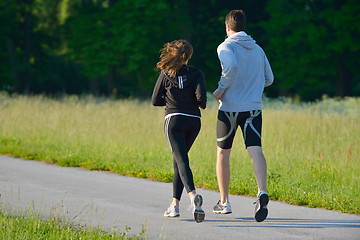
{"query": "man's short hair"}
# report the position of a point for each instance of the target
(236, 20)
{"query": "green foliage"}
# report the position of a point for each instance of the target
(38, 65)
(10, 54)
(111, 47)
(310, 158)
(313, 46)
(125, 35)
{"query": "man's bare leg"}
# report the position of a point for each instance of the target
(223, 173)
(259, 166)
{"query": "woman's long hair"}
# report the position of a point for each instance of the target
(174, 55)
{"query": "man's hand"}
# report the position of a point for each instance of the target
(217, 95)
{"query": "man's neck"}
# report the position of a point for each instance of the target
(231, 32)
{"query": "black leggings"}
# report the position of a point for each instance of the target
(181, 132)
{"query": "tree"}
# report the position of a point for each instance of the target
(313, 46)
(120, 38)
(12, 52)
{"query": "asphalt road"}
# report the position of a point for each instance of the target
(118, 202)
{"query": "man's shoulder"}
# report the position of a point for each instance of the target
(225, 45)
(257, 46)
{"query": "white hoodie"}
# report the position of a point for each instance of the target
(245, 73)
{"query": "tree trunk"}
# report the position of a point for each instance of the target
(27, 46)
(12, 55)
(111, 79)
(112, 2)
(95, 86)
(112, 91)
(14, 72)
(343, 81)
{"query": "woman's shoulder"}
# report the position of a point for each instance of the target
(193, 74)
(193, 69)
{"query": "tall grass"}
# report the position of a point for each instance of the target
(312, 149)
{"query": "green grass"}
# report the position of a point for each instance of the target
(312, 149)
(28, 224)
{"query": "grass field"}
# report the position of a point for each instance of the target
(312, 149)
(29, 224)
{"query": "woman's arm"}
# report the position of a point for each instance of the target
(158, 96)
(201, 91)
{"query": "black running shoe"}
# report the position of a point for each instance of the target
(261, 210)
(196, 202)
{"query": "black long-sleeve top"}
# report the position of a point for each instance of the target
(184, 93)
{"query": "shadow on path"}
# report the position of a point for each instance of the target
(286, 223)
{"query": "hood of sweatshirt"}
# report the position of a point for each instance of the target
(184, 77)
(242, 39)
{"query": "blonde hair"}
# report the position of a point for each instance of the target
(174, 55)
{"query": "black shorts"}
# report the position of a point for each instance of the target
(228, 122)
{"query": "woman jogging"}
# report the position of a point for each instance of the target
(181, 89)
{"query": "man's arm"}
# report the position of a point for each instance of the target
(217, 95)
(228, 65)
(269, 76)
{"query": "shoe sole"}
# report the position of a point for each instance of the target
(199, 214)
(221, 212)
(262, 213)
(172, 216)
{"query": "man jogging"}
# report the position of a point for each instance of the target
(245, 73)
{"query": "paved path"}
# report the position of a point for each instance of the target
(115, 201)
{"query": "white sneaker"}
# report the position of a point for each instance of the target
(172, 211)
(223, 208)
(196, 203)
